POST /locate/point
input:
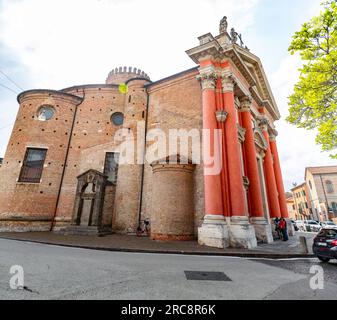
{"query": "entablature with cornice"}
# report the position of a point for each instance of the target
(221, 49)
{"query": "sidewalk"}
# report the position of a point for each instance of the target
(124, 243)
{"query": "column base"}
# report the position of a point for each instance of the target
(241, 233)
(214, 232)
(263, 229)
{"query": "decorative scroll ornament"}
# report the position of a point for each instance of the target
(221, 115)
(241, 133)
(260, 140)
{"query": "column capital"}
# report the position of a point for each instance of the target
(208, 80)
(245, 104)
(263, 123)
(273, 134)
(228, 83)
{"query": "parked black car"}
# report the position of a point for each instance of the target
(325, 244)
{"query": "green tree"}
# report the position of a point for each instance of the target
(313, 105)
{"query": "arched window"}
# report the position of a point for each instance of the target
(329, 186)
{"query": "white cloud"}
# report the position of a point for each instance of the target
(64, 43)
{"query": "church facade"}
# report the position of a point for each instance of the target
(65, 170)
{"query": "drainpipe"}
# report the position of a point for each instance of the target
(65, 162)
(143, 164)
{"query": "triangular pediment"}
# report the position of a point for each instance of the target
(262, 87)
(91, 172)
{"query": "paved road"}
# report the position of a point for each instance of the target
(52, 272)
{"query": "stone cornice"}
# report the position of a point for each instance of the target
(256, 95)
(50, 94)
(262, 80)
(209, 47)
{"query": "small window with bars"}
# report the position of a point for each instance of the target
(111, 166)
(32, 167)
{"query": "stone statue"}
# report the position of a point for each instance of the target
(223, 25)
(234, 36)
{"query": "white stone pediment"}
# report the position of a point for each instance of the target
(262, 87)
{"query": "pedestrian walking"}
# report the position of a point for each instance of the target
(284, 229)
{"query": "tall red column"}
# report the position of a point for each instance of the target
(212, 182)
(272, 192)
(235, 176)
(278, 178)
(255, 194)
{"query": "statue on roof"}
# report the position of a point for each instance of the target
(223, 25)
(234, 36)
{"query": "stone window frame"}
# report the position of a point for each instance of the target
(116, 114)
(24, 176)
(45, 106)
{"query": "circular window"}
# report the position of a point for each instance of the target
(45, 113)
(117, 118)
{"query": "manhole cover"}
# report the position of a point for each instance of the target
(206, 276)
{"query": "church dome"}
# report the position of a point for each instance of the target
(123, 74)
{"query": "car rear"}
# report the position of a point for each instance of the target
(325, 244)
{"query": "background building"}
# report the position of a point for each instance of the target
(322, 186)
(301, 202)
(291, 207)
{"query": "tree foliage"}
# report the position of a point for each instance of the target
(313, 105)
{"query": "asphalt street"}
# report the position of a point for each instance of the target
(52, 272)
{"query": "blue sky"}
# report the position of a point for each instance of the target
(56, 44)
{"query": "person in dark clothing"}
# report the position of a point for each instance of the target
(284, 229)
(277, 228)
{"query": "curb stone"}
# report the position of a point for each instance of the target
(266, 255)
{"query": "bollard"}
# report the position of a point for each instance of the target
(304, 245)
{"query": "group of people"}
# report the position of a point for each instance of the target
(281, 228)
